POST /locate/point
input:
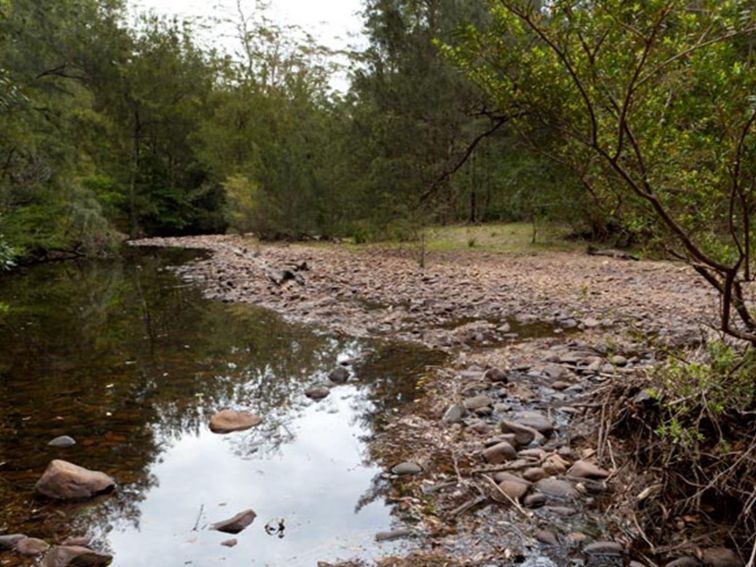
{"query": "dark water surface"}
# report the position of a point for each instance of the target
(132, 363)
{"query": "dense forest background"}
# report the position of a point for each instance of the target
(113, 127)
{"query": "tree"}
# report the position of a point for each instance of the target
(653, 101)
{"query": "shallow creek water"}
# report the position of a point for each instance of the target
(131, 362)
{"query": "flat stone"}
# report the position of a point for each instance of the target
(230, 542)
(523, 435)
(453, 414)
(534, 474)
(721, 557)
(495, 375)
(535, 500)
(547, 536)
(317, 392)
(338, 375)
(515, 489)
(500, 453)
(227, 421)
(62, 442)
(73, 556)
(604, 548)
(65, 481)
(477, 402)
(31, 546)
(235, 524)
(536, 421)
(407, 468)
(9, 541)
(557, 488)
(78, 541)
(393, 534)
(586, 469)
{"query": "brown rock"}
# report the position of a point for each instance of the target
(31, 546)
(547, 536)
(586, 469)
(523, 435)
(556, 487)
(477, 402)
(227, 420)
(230, 542)
(9, 541)
(65, 481)
(534, 474)
(236, 524)
(515, 489)
(317, 392)
(500, 453)
(495, 375)
(535, 420)
(721, 557)
(72, 556)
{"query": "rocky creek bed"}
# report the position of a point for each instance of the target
(500, 460)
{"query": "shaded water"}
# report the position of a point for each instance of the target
(132, 363)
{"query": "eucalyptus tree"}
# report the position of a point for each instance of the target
(654, 101)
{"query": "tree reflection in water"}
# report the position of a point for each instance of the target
(132, 363)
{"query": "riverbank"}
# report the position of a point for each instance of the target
(498, 460)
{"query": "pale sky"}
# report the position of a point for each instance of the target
(334, 23)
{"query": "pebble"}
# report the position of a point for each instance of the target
(534, 500)
(31, 546)
(477, 402)
(586, 469)
(453, 414)
(339, 375)
(495, 375)
(523, 435)
(604, 548)
(500, 453)
(721, 557)
(393, 534)
(619, 360)
(534, 474)
(535, 420)
(317, 392)
(515, 489)
(230, 542)
(407, 468)
(557, 488)
(235, 524)
(547, 536)
(683, 562)
(62, 442)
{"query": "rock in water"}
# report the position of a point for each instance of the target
(31, 546)
(65, 481)
(317, 392)
(339, 375)
(62, 442)
(73, 556)
(236, 524)
(9, 541)
(227, 420)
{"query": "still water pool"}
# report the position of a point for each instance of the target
(131, 362)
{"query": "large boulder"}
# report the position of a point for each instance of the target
(65, 481)
(226, 421)
(74, 556)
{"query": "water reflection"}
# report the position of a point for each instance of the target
(131, 363)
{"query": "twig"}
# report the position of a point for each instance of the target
(752, 560)
(199, 516)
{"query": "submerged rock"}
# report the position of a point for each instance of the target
(317, 392)
(227, 421)
(65, 481)
(235, 524)
(73, 556)
(62, 442)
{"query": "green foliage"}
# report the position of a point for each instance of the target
(7, 255)
(697, 396)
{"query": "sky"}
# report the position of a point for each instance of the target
(335, 23)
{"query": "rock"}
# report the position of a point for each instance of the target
(317, 392)
(557, 488)
(236, 524)
(576, 537)
(79, 541)
(230, 542)
(339, 375)
(65, 481)
(73, 556)
(62, 442)
(547, 536)
(501, 476)
(534, 500)
(9, 541)
(604, 548)
(684, 562)
(393, 534)
(515, 489)
(477, 402)
(523, 435)
(554, 465)
(227, 420)
(453, 414)
(407, 468)
(534, 474)
(721, 557)
(560, 385)
(618, 360)
(500, 453)
(535, 420)
(495, 375)
(591, 323)
(31, 546)
(586, 469)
